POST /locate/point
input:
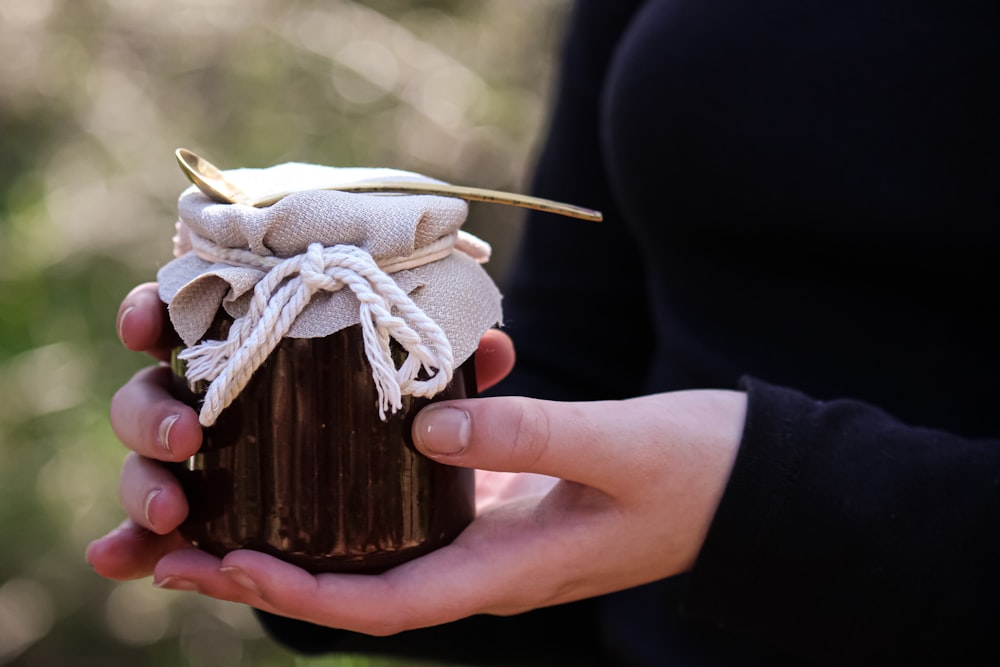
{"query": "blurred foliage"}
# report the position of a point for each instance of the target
(94, 97)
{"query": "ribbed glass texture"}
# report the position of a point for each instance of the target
(301, 466)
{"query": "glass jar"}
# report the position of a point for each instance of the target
(301, 466)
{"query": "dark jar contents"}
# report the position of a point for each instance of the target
(300, 466)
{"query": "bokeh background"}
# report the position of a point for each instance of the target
(94, 97)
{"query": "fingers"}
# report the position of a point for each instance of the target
(130, 551)
(142, 322)
(494, 358)
(448, 584)
(150, 421)
(151, 495)
(625, 461)
(613, 446)
(196, 570)
(380, 605)
(513, 434)
(508, 561)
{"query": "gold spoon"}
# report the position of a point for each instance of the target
(215, 185)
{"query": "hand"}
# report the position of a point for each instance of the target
(640, 481)
(148, 420)
(157, 427)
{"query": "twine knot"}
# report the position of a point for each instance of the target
(386, 312)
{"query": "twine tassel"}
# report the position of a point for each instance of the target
(205, 361)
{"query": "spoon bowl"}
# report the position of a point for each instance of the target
(214, 184)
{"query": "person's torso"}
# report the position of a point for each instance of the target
(816, 188)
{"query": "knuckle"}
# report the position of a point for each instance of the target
(531, 432)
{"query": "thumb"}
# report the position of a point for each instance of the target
(573, 441)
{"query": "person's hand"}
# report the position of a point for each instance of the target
(157, 428)
(149, 421)
(640, 481)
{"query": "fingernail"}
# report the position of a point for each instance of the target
(121, 323)
(149, 501)
(241, 579)
(163, 435)
(176, 584)
(443, 430)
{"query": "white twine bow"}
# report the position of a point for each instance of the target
(386, 313)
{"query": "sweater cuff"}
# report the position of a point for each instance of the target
(846, 535)
(738, 554)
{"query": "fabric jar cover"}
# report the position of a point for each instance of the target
(316, 262)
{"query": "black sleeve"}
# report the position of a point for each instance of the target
(853, 538)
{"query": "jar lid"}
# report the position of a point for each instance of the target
(313, 261)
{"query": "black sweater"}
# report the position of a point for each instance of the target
(801, 199)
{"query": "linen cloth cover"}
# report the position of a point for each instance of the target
(454, 291)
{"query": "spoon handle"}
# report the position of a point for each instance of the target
(457, 191)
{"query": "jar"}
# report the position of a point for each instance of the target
(301, 466)
(314, 330)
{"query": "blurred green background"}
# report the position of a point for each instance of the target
(94, 97)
